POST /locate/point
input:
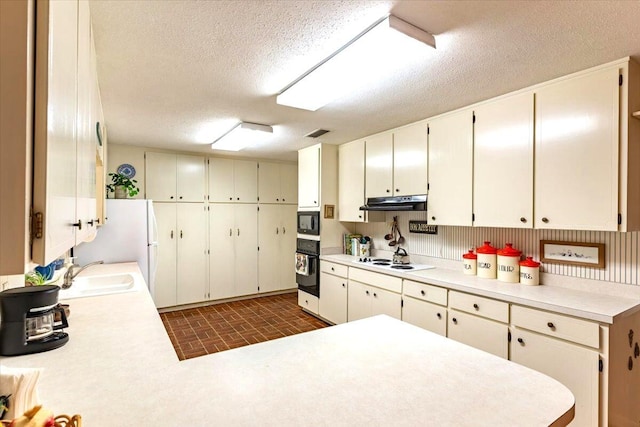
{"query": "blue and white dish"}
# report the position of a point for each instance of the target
(127, 170)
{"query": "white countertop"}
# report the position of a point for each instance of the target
(119, 368)
(587, 305)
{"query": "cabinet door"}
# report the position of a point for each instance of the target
(410, 160)
(192, 253)
(351, 181)
(574, 366)
(379, 165)
(309, 177)
(165, 280)
(478, 332)
(450, 169)
(289, 183)
(386, 302)
(55, 128)
(222, 254)
(221, 180)
(245, 178)
(577, 126)
(160, 177)
(269, 256)
(269, 183)
(288, 219)
(426, 315)
(246, 249)
(358, 301)
(333, 299)
(503, 163)
(190, 180)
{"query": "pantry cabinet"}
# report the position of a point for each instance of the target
(277, 183)
(333, 298)
(174, 177)
(309, 177)
(181, 276)
(503, 163)
(233, 260)
(233, 181)
(277, 247)
(451, 169)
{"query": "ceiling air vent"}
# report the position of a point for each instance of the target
(316, 133)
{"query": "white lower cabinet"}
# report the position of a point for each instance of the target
(181, 276)
(366, 301)
(277, 242)
(425, 306)
(478, 332)
(308, 302)
(333, 292)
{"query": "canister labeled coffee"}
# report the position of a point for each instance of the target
(486, 261)
(508, 264)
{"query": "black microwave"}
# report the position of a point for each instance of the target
(309, 222)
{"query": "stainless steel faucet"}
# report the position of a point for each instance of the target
(70, 275)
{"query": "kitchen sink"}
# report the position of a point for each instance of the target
(90, 286)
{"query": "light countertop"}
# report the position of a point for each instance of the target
(587, 305)
(119, 368)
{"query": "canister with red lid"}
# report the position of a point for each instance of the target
(470, 262)
(487, 261)
(509, 264)
(529, 272)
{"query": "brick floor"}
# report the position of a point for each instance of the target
(204, 330)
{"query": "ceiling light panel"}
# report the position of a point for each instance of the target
(243, 135)
(387, 45)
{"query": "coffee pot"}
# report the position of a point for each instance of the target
(27, 320)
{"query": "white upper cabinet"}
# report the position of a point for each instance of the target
(577, 137)
(174, 178)
(410, 160)
(351, 181)
(233, 181)
(503, 163)
(277, 183)
(451, 169)
(379, 165)
(309, 177)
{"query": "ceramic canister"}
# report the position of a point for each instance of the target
(529, 272)
(509, 264)
(487, 261)
(470, 262)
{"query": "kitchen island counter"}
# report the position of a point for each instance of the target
(119, 368)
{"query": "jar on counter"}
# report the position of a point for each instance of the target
(530, 272)
(487, 261)
(509, 264)
(470, 262)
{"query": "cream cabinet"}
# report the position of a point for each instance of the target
(277, 247)
(333, 295)
(175, 178)
(351, 180)
(576, 168)
(309, 177)
(425, 306)
(503, 163)
(410, 160)
(308, 302)
(181, 277)
(233, 181)
(379, 165)
(373, 293)
(233, 260)
(451, 169)
(277, 183)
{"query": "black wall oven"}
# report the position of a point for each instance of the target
(309, 222)
(308, 266)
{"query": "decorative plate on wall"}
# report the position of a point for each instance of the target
(127, 170)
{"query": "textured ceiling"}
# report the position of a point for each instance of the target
(178, 74)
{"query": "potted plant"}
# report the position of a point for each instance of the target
(122, 186)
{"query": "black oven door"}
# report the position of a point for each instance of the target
(307, 273)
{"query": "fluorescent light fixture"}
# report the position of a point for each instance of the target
(381, 47)
(242, 136)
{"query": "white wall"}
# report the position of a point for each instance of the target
(121, 154)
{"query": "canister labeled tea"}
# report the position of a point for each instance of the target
(470, 263)
(529, 272)
(509, 264)
(486, 261)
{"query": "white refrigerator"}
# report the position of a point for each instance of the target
(129, 234)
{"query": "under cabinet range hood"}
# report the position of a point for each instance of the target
(397, 203)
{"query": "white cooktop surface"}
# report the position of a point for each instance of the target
(387, 264)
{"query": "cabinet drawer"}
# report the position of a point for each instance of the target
(557, 325)
(483, 334)
(485, 307)
(308, 302)
(425, 292)
(393, 284)
(333, 268)
(425, 315)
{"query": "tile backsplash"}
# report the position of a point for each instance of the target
(622, 260)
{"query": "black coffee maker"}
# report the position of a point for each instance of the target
(27, 320)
